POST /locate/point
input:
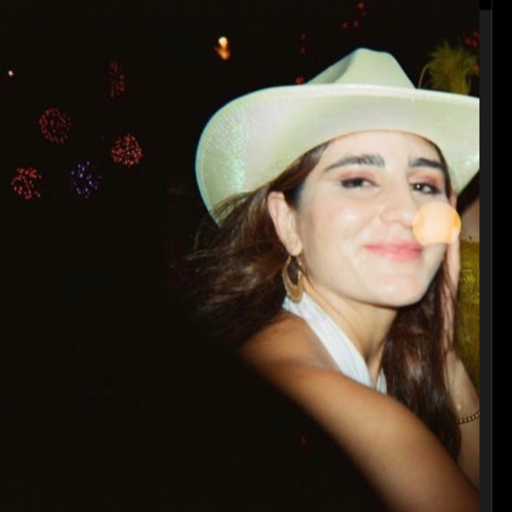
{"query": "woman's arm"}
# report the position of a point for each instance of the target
(467, 402)
(404, 462)
(461, 388)
(399, 456)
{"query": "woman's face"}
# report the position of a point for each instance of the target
(354, 222)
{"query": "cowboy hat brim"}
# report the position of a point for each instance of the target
(253, 139)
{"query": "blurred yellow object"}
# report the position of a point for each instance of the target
(468, 324)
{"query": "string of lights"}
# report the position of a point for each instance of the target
(116, 79)
(56, 125)
(126, 151)
(85, 180)
(27, 183)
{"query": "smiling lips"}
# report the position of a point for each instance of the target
(399, 251)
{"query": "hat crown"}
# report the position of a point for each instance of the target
(366, 67)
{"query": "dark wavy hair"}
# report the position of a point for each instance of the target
(238, 290)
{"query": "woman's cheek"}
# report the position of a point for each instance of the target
(352, 216)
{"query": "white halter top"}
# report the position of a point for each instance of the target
(341, 349)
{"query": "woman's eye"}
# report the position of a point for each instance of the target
(426, 188)
(356, 183)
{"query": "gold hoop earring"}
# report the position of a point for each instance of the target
(294, 290)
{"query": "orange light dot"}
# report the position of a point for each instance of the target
(223, 48)
(126, 151)
(10, 73)
(436, 223)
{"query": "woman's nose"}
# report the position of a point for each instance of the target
(399, 206)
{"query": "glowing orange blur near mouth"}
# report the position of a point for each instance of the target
(436, 223)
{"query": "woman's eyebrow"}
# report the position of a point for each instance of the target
(375, 160)
(378, 161)
(427, 162)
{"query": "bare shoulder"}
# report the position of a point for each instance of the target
(288, 340)
(392, 447)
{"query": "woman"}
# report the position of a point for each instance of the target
(315, 267)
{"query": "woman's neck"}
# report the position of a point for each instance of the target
(366, 325)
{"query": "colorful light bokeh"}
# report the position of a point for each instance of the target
(85, 180)
(356, 22)
(55, 125)
(473, 40)
(116, 79)
(223, 48)
(303, 47)
(127, 151)
(27, 183)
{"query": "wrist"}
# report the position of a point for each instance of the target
(468, 419)
(465, 397)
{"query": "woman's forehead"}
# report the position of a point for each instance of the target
(382, 138)
(373, 147)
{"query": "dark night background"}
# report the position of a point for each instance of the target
(111, 398)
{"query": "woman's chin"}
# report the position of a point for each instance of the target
(400, 295)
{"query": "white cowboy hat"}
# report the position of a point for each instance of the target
(251, 140)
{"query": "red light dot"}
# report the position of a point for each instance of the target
(360, 6)
(55, 125)
(126, 151)
(117, 79)
(356, 24)
(27, 183)
(345, 24)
